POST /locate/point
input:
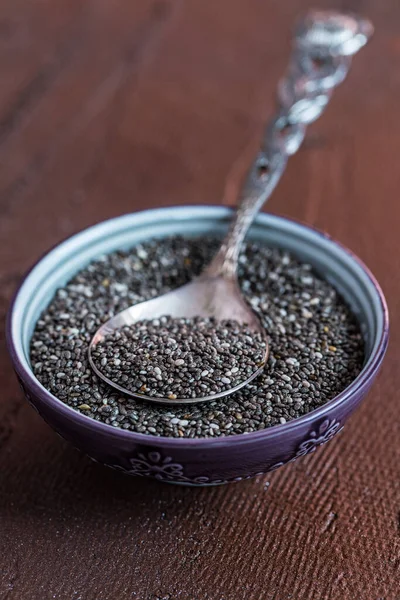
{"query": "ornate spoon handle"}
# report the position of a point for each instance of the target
(324, 43)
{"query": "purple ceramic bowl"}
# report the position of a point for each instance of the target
(197, 461)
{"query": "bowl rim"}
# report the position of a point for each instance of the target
(363, 379)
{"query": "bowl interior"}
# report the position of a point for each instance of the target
(329, 258)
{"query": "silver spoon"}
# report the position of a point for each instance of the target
(323, 45)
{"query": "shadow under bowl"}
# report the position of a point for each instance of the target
(197, 461)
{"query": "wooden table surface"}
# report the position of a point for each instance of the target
(112, 106)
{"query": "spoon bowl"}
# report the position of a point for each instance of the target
(207, 296)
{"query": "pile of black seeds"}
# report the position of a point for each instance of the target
(316, 348)
(180, 358)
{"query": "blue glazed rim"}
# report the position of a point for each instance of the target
(23, 370)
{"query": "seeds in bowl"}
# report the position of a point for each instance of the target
(315, 345)
(180, 358)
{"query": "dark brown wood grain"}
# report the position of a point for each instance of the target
(112, 106)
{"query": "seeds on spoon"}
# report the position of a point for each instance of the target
(180, 358)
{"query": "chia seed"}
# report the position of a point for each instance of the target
(322, 339)
(178, 371)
